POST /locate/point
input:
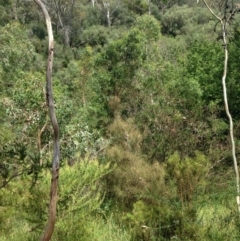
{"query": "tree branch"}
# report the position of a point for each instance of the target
(210, 10)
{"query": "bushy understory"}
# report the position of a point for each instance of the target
(145, 149)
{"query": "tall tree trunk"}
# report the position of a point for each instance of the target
(228, 113)
(108, 18)
(66, 38)
(56, 155)
(224, 20)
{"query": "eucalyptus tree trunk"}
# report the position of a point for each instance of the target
(63, 13)
(108, 7)
(47, 233)
(224, 17)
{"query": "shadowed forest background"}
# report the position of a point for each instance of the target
(145, 147)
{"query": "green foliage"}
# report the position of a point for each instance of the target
(233, 74)
(162, 220)
(218, 223)
(96, 35)
(192, 23)
(133, 178)
(171, 214)
(205, 63)
(22, 100)
(188, 174)
(79, 185)
(11, 199)
(114, 70)
(5, 129)
(17, 51)
(82, 140)
(81, 193)
(149, 105)
(92, 228)
(149, 26)
(101, 230)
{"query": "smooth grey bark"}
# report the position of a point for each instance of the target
(47, 234)
(66, 14)
(63, 15)
(224, 19)
(108, 7)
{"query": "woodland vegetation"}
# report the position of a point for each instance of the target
(144, 137)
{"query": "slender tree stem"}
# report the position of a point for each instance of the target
(223, 24)
(56, 155)
(223, 21)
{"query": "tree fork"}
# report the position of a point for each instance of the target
(56, 155)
